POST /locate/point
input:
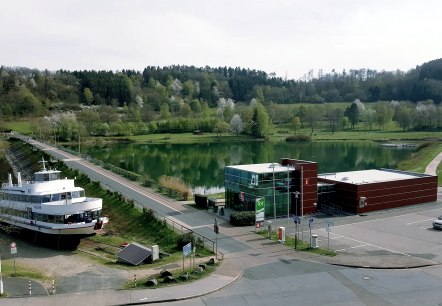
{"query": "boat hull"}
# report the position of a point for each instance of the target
(66, 229)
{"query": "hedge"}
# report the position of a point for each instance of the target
(242, 218)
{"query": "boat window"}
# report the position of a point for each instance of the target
(41, 217)
(88, 216)
(69, 195)
(54, 176)
(56, 197)
(96, 214)
(59, 219)
(46, 198)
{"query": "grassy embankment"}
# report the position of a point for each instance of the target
(422, 157)
(129, 224)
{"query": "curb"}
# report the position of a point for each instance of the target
(227, 284)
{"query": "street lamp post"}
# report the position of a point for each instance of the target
(296, 202)
(1, 277)
(297, 219)
(274, 193)
(288, 197)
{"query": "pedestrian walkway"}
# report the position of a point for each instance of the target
(433, 166)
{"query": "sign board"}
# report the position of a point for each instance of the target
(187, 249)
(259, 210)
(13, 248)
(297, 220)
(329, 225)
(310, 222)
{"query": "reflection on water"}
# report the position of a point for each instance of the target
(203, 164)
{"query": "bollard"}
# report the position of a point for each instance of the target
(135, 280)
(30, 288)
(53, 286)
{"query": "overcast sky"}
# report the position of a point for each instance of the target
(288, 37)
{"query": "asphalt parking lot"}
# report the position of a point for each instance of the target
(406, 231)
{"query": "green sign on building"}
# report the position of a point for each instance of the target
(259, 209)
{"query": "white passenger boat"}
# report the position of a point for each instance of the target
(50, 205)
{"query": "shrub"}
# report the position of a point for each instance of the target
(176, 184)
(149, 213)
(299, 138)
(185, 239)
(242, 218)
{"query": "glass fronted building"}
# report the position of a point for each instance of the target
(271, 181)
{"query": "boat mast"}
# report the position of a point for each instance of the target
(44, 163)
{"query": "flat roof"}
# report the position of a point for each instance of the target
(263, 168)
(371, 176)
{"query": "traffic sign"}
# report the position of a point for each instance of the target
(329, 224)
(297, 220)
(13, 248)
(310, 222)
(187, 249)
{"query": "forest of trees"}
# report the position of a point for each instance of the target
(178, 98)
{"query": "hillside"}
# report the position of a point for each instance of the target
(26, 91)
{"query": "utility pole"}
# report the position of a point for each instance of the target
(288, 197)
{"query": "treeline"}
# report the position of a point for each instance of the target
(26, 91)
(180, 99)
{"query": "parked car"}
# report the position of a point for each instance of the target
(437, 224)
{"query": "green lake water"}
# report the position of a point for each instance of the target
(203, 164)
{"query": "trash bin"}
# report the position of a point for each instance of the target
(314, 241)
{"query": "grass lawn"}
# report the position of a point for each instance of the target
(188, 138)
(22, 270)
(24, 127)
(300, 245)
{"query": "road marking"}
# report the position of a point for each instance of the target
(386, 218)
(420, 221)
(358, 246)
(119, 180)
(372, 245)
(200, 226)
